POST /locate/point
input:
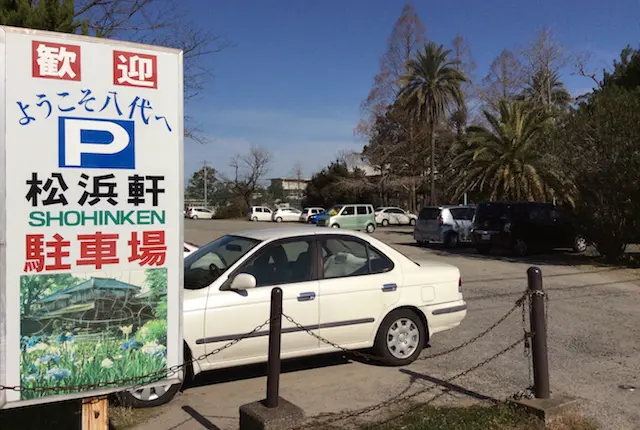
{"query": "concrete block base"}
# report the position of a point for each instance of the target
(256, 416)
(550, 409)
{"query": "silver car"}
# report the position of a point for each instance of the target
(448, 225)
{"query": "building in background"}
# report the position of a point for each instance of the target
(292, 188)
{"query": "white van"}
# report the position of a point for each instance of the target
(259, 213)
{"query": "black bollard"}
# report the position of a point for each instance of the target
(275, 337)
(539, 330)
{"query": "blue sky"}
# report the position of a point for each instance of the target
(299, 69)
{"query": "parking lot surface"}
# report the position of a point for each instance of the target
(593, 325)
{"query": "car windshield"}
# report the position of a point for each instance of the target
(209, 262)
(335, 210)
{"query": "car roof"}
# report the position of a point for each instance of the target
(268, 234)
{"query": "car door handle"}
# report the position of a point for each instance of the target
(305, 297)
(389, 287)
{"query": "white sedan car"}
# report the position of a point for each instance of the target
(189, 248)
(286, 214)
(395, 216)
(346, 286)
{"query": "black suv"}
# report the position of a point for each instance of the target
(524, 226)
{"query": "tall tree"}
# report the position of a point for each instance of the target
(503, 161)
(430, 87)
(248, 170)
(407, 36)
(461, 51)
(545, 58)
(504, 81)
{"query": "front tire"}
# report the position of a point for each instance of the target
(400, 338)
(385, 222)
(335, 226)
(412, 222)
(194, 217)
(521, 248)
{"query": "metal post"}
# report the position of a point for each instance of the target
(204, 168)
(275, 335)
(539, 330)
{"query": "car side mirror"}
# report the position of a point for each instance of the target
(243, 281)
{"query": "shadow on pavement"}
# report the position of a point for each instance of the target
(447, 386)
(260, 370)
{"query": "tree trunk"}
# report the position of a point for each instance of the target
(432, 144)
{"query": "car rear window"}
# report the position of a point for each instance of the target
(492, 213)
(429, 213)
(462, 213)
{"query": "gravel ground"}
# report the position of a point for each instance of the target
(593, 318)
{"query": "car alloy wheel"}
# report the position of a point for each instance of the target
(194, 217)
(370, 228)
(412, 221)
(254, 219)
(278, 219)
(385, 222)
(403, 337)
(580, 244)
(335, 226)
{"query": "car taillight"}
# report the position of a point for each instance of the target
(460, 284)
(440, 220)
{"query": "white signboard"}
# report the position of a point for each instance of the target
(91, 227)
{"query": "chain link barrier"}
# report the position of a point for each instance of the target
(138, 381)
(520, 303)
(524, 303)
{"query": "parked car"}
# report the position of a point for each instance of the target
(359, 293)
(351, 216)
(313, 219)
(525, 226)
(395, 216)
(448, 225)
(286, 214)
(260, 213)
(199, 212)
(307, 213)
(189, 248)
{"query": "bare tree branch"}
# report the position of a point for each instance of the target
(581, 67)
(248, 170)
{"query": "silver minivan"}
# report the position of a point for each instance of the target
(448, 225)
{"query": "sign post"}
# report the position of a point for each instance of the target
(90, 217)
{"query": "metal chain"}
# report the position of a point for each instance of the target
(134, 382)
(397, 399)
(370, 357)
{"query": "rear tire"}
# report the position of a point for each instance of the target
(412, 222)
(452, 240)
(254, 219)
(194, 217)
(335, 226)
(400, 338)
(278, 219)
(385, 222)
(370, 228)
(483, 249)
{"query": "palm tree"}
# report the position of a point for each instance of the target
(429, 88)
(503, 161)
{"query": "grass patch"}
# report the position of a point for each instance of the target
(498, 417)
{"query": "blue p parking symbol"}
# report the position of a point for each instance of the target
(96, 143)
